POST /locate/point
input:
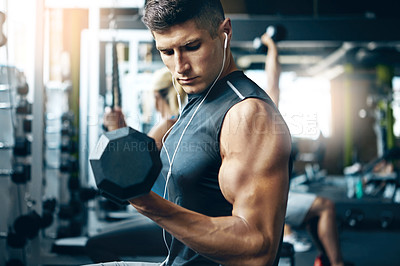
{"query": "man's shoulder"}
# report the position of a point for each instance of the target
(256, 114)
(244, 87)
(252, 106)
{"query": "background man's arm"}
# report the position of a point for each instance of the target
(272, 68)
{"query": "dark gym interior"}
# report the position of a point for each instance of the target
(340, 96)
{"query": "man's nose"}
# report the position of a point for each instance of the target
(181, 64)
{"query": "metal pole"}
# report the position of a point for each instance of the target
(33, 258)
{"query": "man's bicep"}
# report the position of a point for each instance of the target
(254, 171)
(258, 198)
(257, 185)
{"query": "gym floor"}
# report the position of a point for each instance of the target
(373, 247)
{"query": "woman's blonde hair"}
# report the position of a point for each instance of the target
(164, 86)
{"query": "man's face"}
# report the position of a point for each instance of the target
(192, 56)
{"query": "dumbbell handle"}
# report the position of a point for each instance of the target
(271, 31)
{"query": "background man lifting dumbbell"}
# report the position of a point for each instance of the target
(226, 159)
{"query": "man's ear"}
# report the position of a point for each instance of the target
(226, 30)
(226, 27)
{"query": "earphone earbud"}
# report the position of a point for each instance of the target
(226, 40)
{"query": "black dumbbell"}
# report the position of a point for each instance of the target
(21, 173)
(28, 225)
(24, 108)
(50, 205)
(67, 116)
(276, 33)
(22, 146)
(68, 129)
(27, 125)
(68, 145)
(125, 164)
(68, 164)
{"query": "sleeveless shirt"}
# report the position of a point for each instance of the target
(194, 177)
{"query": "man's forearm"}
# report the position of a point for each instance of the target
(227, 240)
(273, 71)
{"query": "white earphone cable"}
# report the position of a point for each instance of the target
(171, 161)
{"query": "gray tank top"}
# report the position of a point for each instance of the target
(194, 177)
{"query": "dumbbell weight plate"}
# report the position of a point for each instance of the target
(21, 173)
(125, 164)
(28, 225)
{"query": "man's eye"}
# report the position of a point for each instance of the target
(193, 47)
(167, 52)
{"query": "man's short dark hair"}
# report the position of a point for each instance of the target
(159, 15)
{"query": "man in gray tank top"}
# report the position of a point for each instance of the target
(226, 160)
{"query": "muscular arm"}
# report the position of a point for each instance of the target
(272, 68)
(255, 147)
